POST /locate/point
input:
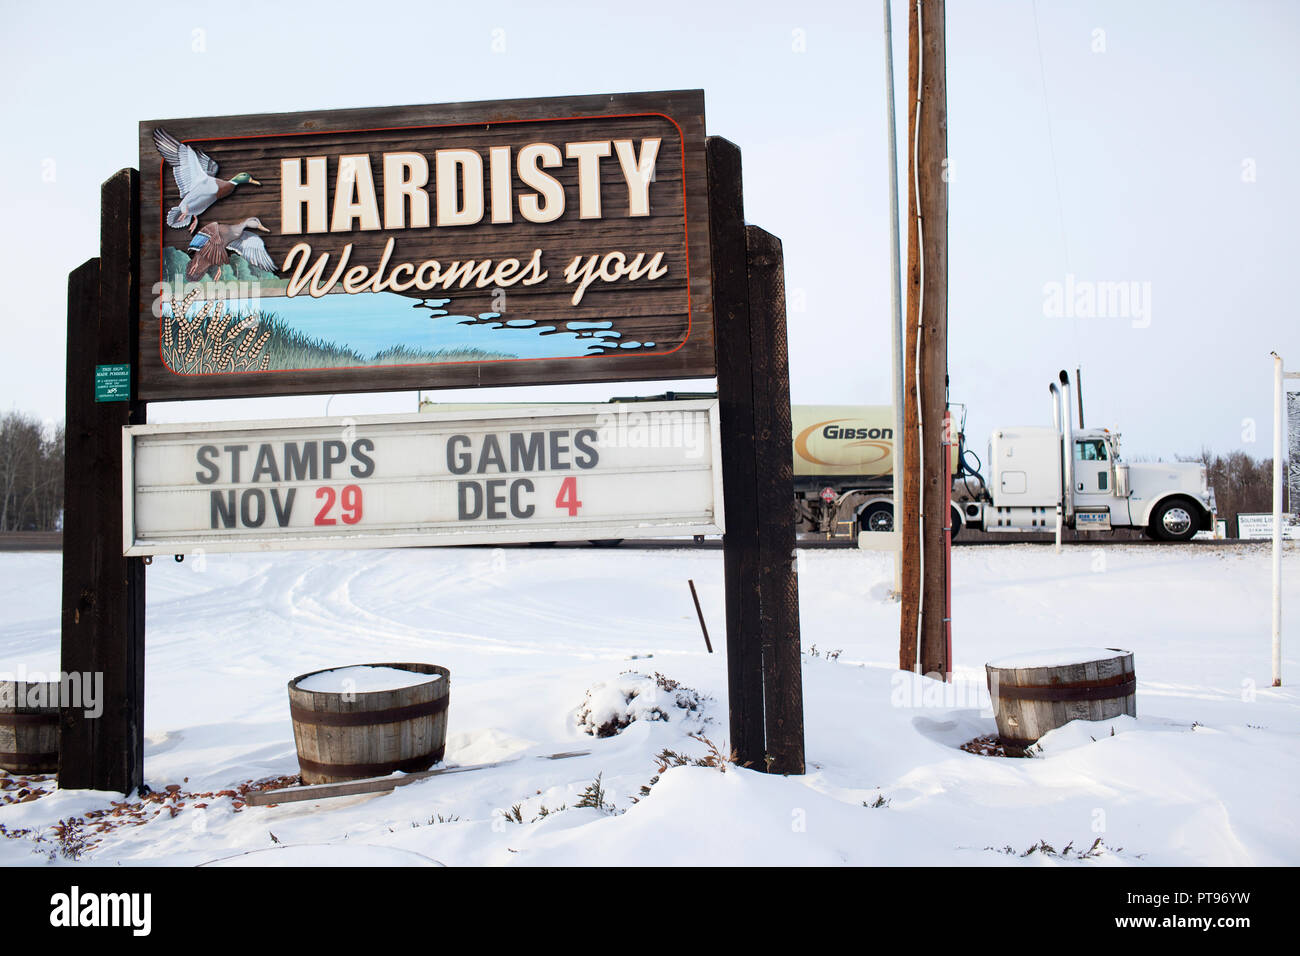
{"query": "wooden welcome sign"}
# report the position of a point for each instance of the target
(494, 243)
(591, 238)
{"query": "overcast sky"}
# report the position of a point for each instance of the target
(1151, 143)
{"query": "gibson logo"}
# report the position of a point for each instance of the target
(876, 443)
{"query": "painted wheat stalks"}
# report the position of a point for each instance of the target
(224, 359)
(254, 348)
(213, 339)
(177, 329)
(217, 325)
(191, 356)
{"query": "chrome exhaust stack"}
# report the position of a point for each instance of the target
(1067, 445)
(1078, 389)
(1060, 451)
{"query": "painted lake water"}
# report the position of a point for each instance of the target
(370, 323)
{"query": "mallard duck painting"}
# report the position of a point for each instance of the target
(212, 243)
(195, 174)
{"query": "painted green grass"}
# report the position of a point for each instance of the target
(403, 355)
(290, 348)
(212, 341)
(176, 261)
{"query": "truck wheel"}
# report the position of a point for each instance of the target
(877, 517)
(1175, 520)
(956, 522)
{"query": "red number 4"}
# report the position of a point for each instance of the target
(568, 496)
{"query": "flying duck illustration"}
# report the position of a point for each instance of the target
(212, 243)
(195, 177)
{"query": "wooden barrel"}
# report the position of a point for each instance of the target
(347, 736)
(1040, 691)
(29, 726)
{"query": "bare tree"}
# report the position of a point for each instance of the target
(1242, 484)
(51, 496)
(31, 473)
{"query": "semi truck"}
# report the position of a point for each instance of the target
(843, 475)
(844, 461)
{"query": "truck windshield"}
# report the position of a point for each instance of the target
(1090, 450)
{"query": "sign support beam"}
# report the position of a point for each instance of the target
(779, 584)
(103, 592)
(763, 667)
(736, 409)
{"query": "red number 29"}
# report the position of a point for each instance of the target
(350, 500)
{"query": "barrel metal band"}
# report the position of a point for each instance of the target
(1119, 686)
(365, 717)
(359, 770)
(13, 720)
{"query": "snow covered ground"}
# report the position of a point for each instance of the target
(1208, 773)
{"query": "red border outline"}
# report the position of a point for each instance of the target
(162, 223)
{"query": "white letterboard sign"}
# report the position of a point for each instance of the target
(544, 473)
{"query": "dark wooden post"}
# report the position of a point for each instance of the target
(103, 592)
(736, 409)
(763, 666)
(779, 585)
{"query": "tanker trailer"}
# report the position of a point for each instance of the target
(843, 469)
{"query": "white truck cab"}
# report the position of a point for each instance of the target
(1036, 469)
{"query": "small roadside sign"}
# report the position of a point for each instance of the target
(1259, 527)
(112, 383)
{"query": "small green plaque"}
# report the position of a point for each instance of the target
(112, 383)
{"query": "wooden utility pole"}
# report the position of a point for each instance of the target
(922, 637)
